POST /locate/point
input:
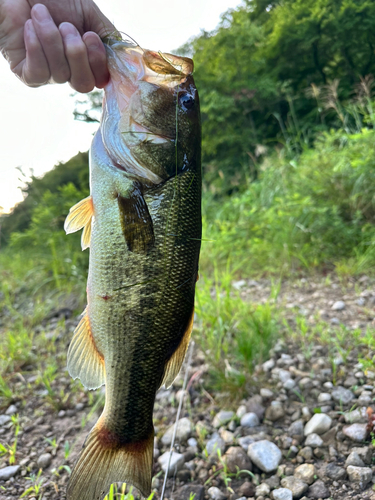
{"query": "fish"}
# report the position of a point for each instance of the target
(142, 223)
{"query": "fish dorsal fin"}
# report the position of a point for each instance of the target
(80, 216)
(84, 359)
(136, 221)
(173, 365)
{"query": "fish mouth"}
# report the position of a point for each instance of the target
(137, 133)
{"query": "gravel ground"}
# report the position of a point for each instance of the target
(304, 430)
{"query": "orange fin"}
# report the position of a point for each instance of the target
(79, 217)
(84, 360)
(105, 460)
(173, 366)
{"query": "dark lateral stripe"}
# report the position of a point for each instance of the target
(136, 222)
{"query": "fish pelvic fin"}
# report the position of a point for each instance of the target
(80, 216)
(84, 359)
(104, 460)
(173, 365)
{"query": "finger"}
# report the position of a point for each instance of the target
(51, 42)
(81, 76)
(35, 71)
(97, 58)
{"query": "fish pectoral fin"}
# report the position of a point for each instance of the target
(112, 461)
(173, 365)
(80, 216)
(84, 360)
(136, 222)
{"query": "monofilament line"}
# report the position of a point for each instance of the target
(182, 394)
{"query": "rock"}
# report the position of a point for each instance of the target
(314, 441)
(273, 481)
(265, 455)
(245, 441)
(324, 397)
(318, 424)
(215, 494)
(227, 436)
(238, 284)
(266, 393)
(296, 429)
(365, 453)
(8, 472)
(11, 410)
(44, 460)
(268, 365)
(184, 430)
(284, 375)
(241, 411)
(4, 419)
(222, 418)
(275, 411)
(355, 416)
(215, 443)
(254, 405)
(339, 305)
(177, 461)
(305, 472)
(356, 432)
(318, 490)
(295, 485)
(250, 420)
(262, 490)
(333, 472)
(192, 442)
(236, 459)
(342, 396)
(360, 475)
(190, 490)
(289, 384)
(306, 453)
(355, 460)
(246, 489)
(282, 494)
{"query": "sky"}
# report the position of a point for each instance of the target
(38, 129)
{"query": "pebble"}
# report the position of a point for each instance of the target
(262, 490)
(339, 305)
(250, 420)
(355, 416)
(247, 489)
(4, 419)
(44, 460)
(241, 411)
(265, 455)
(314, 440)
(245, 441)
(355, 460)
(177, 461)
(333, 471)
(342, 395)
(189, 490)
(215, 443)
(184, 430)
(192, 442)
(295, 485)
(296, 429)
(318, 490)
(11, 410)
(324, 397)
(222, 418)
(356, 432)
(268, 365)
(305, 472)
(360, 475)
(215, 494)
(8, 472)
(266, 393)
(236, 459)
(275, 411)
(306, 453)
(282, 494)
(318, 424)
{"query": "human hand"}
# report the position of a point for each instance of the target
(49, 41)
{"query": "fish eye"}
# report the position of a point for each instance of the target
(186, 101)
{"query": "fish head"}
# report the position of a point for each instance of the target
(151, 118)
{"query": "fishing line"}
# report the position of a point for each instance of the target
(182, 394)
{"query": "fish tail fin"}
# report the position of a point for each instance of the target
(105, 460)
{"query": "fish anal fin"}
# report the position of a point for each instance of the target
(173, 365)
(80, 216)
(84, 359)
(112, 461)
(136, 221)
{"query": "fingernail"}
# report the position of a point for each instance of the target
(92, 42)
(67, 29)
(41, 12)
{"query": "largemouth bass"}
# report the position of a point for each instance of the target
(142, 223)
